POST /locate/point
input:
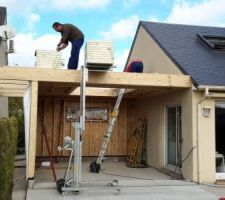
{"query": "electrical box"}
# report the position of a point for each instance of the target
(99, 54)
(48, 59)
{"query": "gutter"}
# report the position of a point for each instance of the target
(206, 95)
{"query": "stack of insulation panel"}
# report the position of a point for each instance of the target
(99, 55)
(48, 59)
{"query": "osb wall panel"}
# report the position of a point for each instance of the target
(52, 115)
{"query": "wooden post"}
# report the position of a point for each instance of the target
(33, 130)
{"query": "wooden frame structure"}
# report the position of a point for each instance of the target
(14, 81)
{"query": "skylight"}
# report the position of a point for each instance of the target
(216, 42)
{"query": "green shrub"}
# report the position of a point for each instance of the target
(16, 110)
(8, 141)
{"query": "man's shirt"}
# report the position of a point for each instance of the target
(70, 32)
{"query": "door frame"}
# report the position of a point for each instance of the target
(178, 137)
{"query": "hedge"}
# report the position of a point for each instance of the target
(8, 141)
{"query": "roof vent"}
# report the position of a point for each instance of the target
(215, 42)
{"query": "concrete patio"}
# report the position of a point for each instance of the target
(134, 183)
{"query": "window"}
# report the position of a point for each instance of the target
(174, 138)
(98, 114)
(216, 42)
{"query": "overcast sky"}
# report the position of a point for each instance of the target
(115, 20)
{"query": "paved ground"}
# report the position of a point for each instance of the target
(112, 169)
(138, 184)
(20, 184)
(130, 190)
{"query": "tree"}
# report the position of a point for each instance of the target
(8, 141)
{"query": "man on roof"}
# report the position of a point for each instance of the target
(70, 33)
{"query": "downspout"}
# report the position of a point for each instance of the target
(206, 95)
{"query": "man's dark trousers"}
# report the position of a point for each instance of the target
(75, 51)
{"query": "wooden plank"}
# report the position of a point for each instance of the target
(9, 86)
(11, 94)
(14, 82)
(39, 74)
(33, 130)
(54, 91)
(40, 117)
(141, 93)
(56, 84)
(48, 123)
(56, 121)
(137, 80)
(86, 140)
(122, 130)
(92, 91)
(94, 138)
(13, 88)
(97, 79)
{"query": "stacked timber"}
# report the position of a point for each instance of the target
(137, 149)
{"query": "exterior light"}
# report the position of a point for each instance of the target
(206, 111)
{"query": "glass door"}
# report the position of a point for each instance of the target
(220, 138)
(174, 136)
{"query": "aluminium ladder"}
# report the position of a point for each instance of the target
(95, 166)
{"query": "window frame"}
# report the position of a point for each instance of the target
(206, 39)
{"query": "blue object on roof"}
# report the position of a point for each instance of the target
(181, 43)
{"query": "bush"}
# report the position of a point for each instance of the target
(16, 110)
(8, 141)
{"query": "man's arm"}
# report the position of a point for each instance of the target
(61, 46)
(65, 35)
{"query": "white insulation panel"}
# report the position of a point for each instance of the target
(99, 53)
(48, 59)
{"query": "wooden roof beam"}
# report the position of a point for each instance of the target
(99, 92)
(97, 79)
(11, 93)
(14, 82)
(13, 86)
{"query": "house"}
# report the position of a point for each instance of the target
(52, 95)
(186, 126)
(178, 91)
(3, 62)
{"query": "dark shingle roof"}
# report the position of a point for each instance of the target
(192, 56)
(2, 15)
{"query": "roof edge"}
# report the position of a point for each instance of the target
(132, 45)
